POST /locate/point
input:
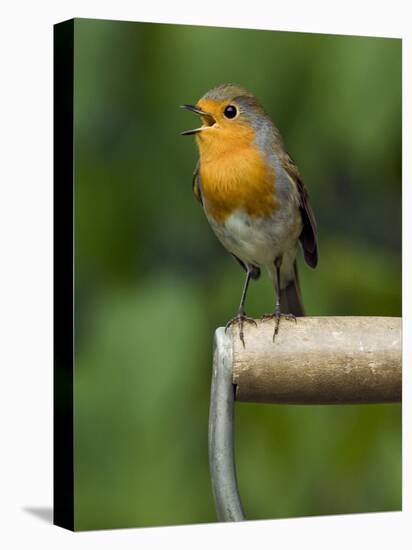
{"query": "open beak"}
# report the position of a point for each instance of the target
(208, 119)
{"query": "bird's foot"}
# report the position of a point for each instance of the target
(277, 315)
(240, 319)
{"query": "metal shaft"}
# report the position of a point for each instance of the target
(221, 440)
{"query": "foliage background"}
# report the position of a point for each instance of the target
(152, 282)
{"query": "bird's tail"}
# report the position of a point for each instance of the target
(291, 297)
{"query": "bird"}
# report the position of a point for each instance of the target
(253, 196)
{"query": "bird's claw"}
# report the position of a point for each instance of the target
(240, 319)
(277, 316)
(269, 316)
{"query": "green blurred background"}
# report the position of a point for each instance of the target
(153, 283)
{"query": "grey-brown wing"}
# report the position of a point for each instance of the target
(196, 183)
(309, 236)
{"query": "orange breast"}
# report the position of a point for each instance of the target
(237, 178)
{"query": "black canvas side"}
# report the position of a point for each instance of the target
(63, 514)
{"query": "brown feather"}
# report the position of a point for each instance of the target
(196, 185)
(309, 236)
(291, 297)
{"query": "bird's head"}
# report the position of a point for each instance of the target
(230, 116)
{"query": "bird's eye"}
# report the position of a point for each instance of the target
(230, 111)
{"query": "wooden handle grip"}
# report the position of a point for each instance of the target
(319, 360)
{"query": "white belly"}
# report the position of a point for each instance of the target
(259, 241)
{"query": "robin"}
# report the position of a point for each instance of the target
(253, 196)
